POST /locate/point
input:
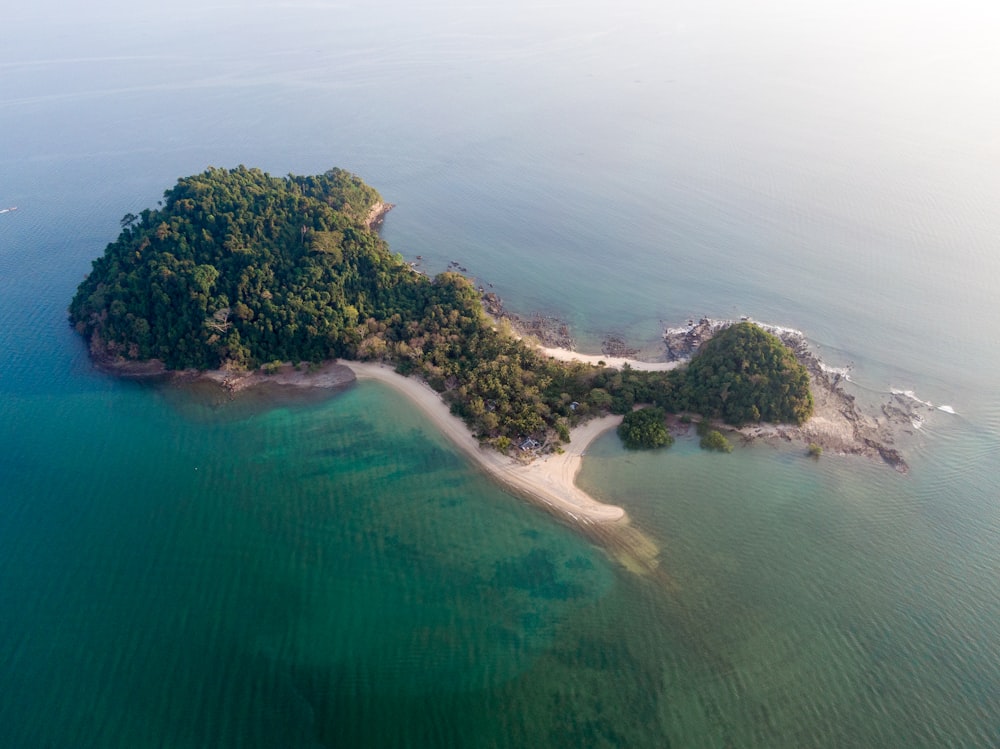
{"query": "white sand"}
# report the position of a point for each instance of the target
(562, 354)
(549, 480)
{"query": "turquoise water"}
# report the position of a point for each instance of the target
(178, 571)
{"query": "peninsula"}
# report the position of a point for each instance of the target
(239, 271)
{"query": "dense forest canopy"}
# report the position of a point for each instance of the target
(745, 374)
(238, 268)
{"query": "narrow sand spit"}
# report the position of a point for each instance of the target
(549, 480)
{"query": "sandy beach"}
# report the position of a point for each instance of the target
(548, 480)
(562, 354)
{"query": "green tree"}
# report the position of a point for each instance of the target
(644, 429)
(713, 439)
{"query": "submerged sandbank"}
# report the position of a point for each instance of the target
(548, 481)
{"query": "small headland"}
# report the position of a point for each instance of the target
(837, 425)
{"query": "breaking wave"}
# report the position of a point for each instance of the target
(913, 396)
(843, 372)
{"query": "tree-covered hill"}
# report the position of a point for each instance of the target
(745, 374)
(238, 268)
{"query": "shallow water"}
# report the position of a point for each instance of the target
(178, 570)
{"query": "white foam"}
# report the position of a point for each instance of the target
(781, 330)
(844, 372)
(716, 324)
(778, 330)
(913, 396)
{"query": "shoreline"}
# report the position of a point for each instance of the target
(376, 215)
(548, 480)
(838, 424)
(327, 375)
(615, 362)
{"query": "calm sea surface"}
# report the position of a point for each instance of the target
(281, 571)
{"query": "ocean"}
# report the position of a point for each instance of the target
(180, 570)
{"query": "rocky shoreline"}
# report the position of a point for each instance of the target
(549, 331)
(327, 375)
(376, 215)
(837, 425)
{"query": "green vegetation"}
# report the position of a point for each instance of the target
(238, 269)
(814, 450)
(713, 439)
(645, 429)
(745, 374)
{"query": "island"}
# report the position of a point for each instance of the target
(241, 277)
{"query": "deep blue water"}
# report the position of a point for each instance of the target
(178, 572)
